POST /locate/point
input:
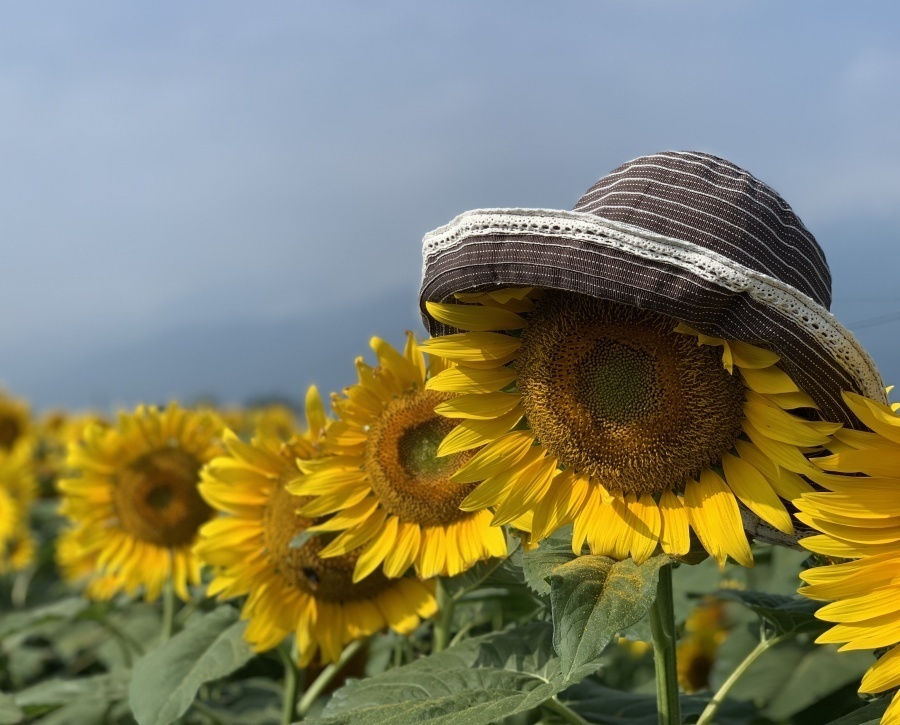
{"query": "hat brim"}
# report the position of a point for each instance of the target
(579, 252)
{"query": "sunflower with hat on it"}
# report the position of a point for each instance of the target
(671, 352)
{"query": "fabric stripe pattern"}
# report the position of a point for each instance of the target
(764, 288)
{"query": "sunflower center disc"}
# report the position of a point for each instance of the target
(157, 499)
(329, 580)
(615, 393)
(402, 463)
(10, 430)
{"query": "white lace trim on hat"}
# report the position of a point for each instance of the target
(711, 266)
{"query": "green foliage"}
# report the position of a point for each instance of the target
(167, 679)
(785, 615)
(480, 680)
(594, 598)
(868, 715)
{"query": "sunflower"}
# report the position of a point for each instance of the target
(388, 490)
(18, 489)
(859, 517)
(704, 630)
(15, 422)
(292, 589)
(622, 420)
(133, 498)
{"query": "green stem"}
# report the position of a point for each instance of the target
(446, 605)
(564, 711)
(291, 680)
(327, 676)
(168, 619)
(706, 717)
(206, 710)
(662, 625)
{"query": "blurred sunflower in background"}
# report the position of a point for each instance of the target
(859, 517)
(659, 361)
(385, 484)
(133, 502)
(18, 490)
(15, 423)
(292, 588)
(704, 630)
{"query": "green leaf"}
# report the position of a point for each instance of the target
(105, 688)
(80, 711)
(593, 598)
(786, 615)
(10, 714)
(606, 706)
(479, 681)
(538, 564)
(166, 680)
(65, 609)
(867, 715)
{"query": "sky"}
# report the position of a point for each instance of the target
(227, 199)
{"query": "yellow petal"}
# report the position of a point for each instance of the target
(782, 426)
(877, 416)
(414, 356)
(474, 433)
(751, 487)
(561, 504)
(884, 674)
(714, 515)
(532, 484)
(469, 347)
(495, 489)
(404, 552)
(475, 317)
(495, 457)
(316, 418)
(353, 538)
(751, 357)
(403, 369)
(675, 530)
(769, 380)
(645, 524)
(479, 406)
(376, 550)
(469, 380)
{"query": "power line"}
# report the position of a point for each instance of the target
(875, 321)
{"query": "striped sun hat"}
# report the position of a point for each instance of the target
(681, 233)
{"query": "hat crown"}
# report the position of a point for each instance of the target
(705, 200)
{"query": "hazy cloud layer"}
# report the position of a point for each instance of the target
(174, 169)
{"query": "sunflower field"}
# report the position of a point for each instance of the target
(645, 483)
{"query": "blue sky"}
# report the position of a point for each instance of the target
(227, 198)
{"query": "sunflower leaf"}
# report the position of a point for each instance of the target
(593, 598)
(539, 563)
(479, 681)
(9, 711)
(65, 609)
(867, 715)
(166, 680)
(785, 614)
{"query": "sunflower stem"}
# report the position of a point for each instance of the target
(168, 618)
(564, 711)
(326, 677)
(709, 712)
(446, 605)
(662, 625)
(291, 680)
